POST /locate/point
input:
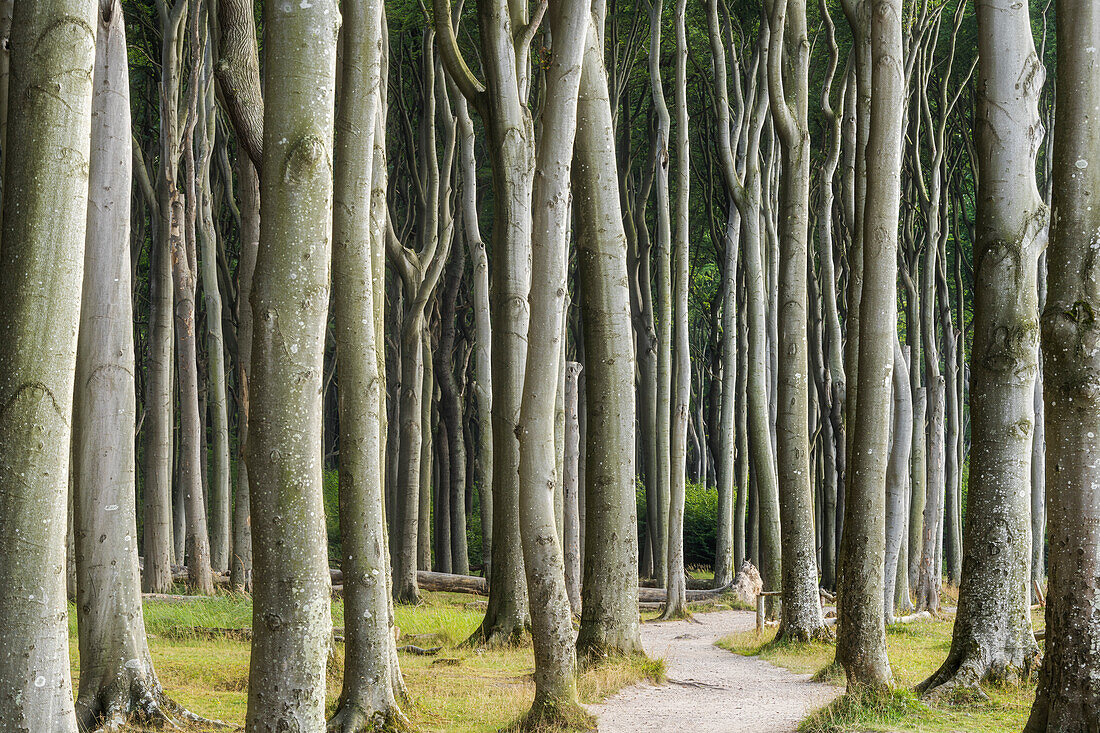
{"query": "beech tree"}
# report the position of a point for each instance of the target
(43, 232)
(1067, 698)
(292, 623)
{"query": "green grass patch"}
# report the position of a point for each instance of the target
(201, 651)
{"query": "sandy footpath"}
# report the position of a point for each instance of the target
(711, 690)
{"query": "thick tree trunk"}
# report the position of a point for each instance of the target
(117, 683)
(291, 615)
(1068, 698)
(992, 636)
(52, 55)
(373, 687)
(861, 629)
(609, 617)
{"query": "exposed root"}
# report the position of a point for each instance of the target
(803, 634)
(553, 717)
(676, 613)
(147, 707)
(498, 636)
(960, 679)
(353, 718)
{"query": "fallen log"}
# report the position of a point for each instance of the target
(658, 595)
(429, 581)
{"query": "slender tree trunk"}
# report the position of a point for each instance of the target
(373, 688)
(1068, 699)
(551, 617)
(861, 631)
(52, 55)
(291, 615)
(609, 608)
(571, 542)
(425, 456)
(897, 482)
(789, 98)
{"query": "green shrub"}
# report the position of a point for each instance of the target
(700, 523)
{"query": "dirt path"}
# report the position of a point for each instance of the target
(711, 690)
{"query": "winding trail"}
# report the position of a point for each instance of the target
(711, 690)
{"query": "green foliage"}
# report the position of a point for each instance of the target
(700, 523)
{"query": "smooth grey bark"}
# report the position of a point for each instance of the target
(506, 33)
(483, 333)
(571, 531)
(217, 408)
(184, 277)
(861, 629)
(788, 69)
(551, 616)
(1068, 698)
(117, 683)
(680, 396)
(992, 637)
(609, 594)
(897, 484)
(52, 57)
(372, 688)
(292, 624)
(248, 182)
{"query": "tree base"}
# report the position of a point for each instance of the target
(353, 718)
(961, 680)
(675, 613)
(499, 634)
(140, 707)
(802, 634)
(555, 717)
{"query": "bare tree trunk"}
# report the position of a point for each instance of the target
(373, 687)
(788, 69)
(897, 482)
(571, 536)
(1068, 699)
(861, 630)
(117, 683)
(292, 625)
(609, 595)
(52, 55)
(551, 617)
(992, 637)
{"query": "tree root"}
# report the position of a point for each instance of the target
(802, 634)
(498, 636)
(144, 707)
(960, 679)
(676, 614)
(353, 718)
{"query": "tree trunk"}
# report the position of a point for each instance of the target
(52, 55)
(992, 637)
(551, 617)
(373, 687)
(897, 482)
(571, 536)
(117, 683)
(609, 617)
(290, 294)
(861, 631)
(1067, 699)
(788, 68)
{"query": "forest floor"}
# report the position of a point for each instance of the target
(708, 690)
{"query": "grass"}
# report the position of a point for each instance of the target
(916, 650)
(459, 690)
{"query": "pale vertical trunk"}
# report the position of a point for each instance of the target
(897, 483)
(117, 683)
(426, 456)
(551, 617)
(53, 51)
(609, 608)
(861, 629)
(992, 637)
(292, 624)
(1068, 700)
(240, 565)
(788, 69)
(217, 406)
(571, 531)
(372, 690)
(675, 575)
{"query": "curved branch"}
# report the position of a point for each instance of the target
(451, 55)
